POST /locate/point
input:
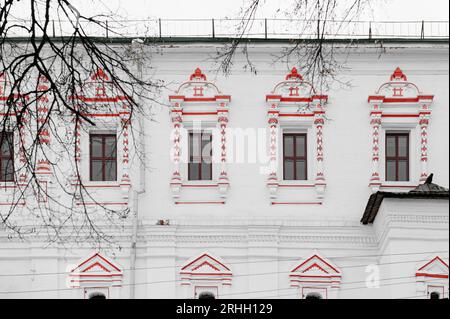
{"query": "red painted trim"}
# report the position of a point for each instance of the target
(101, 257)
(208, 256)
(199, 113)
(316, 256)
(297, 203)
(384, 99)
(296, 115)
(437, 258)
(296, 99)
(100, 114)
(315, 265)
(311, 276)
(101, 204)
(200, 99)
(94, 275)
(431, 275)
(199, 203)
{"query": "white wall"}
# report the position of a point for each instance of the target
(248, 233)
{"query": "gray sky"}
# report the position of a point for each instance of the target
(382, 10)
(189, 9)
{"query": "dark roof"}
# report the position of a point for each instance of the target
(428, 190)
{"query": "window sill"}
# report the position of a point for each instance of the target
(398, 185)
(8, 185)
(200, 184)
(296, 184)
(91, 184)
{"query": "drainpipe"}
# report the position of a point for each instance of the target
(137, 47)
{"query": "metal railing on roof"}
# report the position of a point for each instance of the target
(258, 29)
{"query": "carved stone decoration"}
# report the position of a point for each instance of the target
(399, 104)
(205, 268)
(223, 178)
(125, 182)
(43, 169)
(432, 277)
(375, 181)
(199, 102)
(95, 272)
(327, 277)
(292, 104)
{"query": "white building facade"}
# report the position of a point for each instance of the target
(263, 186)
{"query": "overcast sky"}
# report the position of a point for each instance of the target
(396, 10)
(382, 9)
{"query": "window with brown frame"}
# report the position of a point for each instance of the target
(295, 162)
(6, 157)
(103, 157)
(200, 156)
(397, 157)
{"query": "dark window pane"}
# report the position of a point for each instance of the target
(194, 172)
(96, 171)
(7, 171)
(391, 146)
(288, 146)
(206, 172)
(110, 171)
(289, 170)
(301, 146)
(403, 171)
(301, 170)
(110, 147)
(6, 145)
(391, 171)
(96, 146)
(403, 146)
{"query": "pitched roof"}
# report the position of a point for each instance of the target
(428, 190)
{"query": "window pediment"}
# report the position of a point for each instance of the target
(96, 271)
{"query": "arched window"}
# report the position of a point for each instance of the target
(207, 295)
(313, 295)
(97, 295)
(435, 295)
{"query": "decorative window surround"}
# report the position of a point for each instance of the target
(294, 107)
(316, 275)
(8, 194)
(96, 274)
(399, 105)
(205, 271)
(111, 113)
(199, 103)
(433, 277)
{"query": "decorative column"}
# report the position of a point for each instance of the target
(224, 182)
(319, 122)
(23, 176)
(375, 181)
(125, 181)
(43, 169)
(272, 182)
(177, 122)
(424, 121)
